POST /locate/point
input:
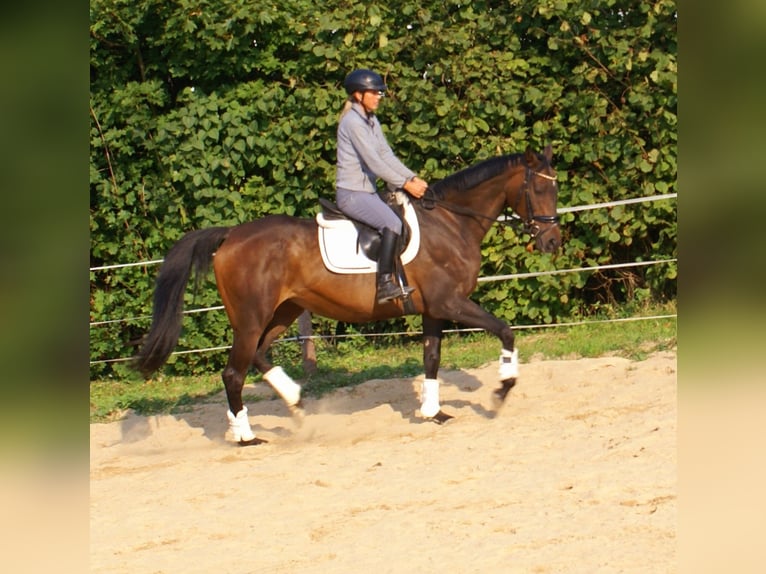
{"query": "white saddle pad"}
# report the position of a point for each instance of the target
(339, 245)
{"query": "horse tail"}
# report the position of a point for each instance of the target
(193, 252)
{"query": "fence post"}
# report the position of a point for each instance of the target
(307, 343)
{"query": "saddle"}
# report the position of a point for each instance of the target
(368, 241)
(349, 246)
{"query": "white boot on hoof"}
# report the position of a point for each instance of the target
(281, 382)
(240, 426)
(429, 398)
(509, 364)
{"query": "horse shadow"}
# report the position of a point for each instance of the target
(205, 412)
(393, 386)
(467, 384)
(390, 386)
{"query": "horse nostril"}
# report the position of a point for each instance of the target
(549, 240)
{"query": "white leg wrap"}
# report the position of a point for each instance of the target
(509, 364)
(240, 426)
(288, 389)
(429, 398)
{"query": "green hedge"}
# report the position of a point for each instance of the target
(218, 112)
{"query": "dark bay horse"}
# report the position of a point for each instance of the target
(269, 270)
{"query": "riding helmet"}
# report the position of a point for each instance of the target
(363, 79)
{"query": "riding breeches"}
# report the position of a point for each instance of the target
(368, 208)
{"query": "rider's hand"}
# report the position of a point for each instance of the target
(416, 187)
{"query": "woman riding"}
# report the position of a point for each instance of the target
(364, 156)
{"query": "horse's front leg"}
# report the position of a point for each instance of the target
(430, 406)
(509, 356)
(509, 364)
(468, 313)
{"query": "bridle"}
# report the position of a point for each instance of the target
(430, 200)
(530, 224)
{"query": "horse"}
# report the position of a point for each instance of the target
(268, 271)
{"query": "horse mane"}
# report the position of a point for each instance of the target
(475, 174)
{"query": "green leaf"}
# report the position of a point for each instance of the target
(375, 18)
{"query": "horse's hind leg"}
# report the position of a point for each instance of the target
(233, 376)
(289, 390)
(429, 393)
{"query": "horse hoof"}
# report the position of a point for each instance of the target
(297, 412)
(499, 395)
(252, 441)
(440, 418)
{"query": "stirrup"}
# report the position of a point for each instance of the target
(394, 291)
(407, 291)
(386, 296)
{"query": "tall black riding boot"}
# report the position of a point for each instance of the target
(387, 287)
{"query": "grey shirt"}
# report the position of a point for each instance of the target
(364, 154)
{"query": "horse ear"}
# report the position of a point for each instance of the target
(548, 153)
(530, 157)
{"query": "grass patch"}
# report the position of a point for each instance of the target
(355, 361)
(634, 340)
(109, 399)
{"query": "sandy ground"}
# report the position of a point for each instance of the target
(576, 473)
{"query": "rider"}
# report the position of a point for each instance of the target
(364, 156)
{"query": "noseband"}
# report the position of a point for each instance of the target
(530, 224)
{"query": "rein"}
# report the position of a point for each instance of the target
(429, 201)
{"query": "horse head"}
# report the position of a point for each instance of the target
(535, 202)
